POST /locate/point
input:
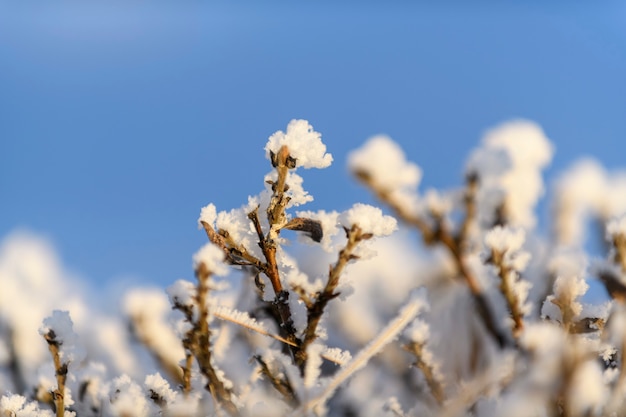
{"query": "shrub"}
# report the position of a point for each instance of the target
(325, 313)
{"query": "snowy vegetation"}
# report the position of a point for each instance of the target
(302, 313)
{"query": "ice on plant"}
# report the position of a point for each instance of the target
(59, 327)
(568, 289)
(505, 239)
(304, 144)
(584, 191)
(296, 192)
(616, 227)
(300, 280)
(213, 259)
(508, 242)
(208, 214)
(508, 166)
(370, 219)
(438, 203)
(385, 162)
(17, 405)
(313, 369)
(159, 386)
(417, 332)
(182, 292)
(382, 163)
(126, 397)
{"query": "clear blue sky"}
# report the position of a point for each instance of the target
(120, 120)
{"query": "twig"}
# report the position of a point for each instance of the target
(234, 252)
(619, 243)
(316, 309)
(469, 200)
(268, 247)
(201, 345)
(436, 388)
(282, 385)
(60, 369)
(506, 273)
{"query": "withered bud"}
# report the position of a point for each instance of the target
(290, 162)
(312, 228)
(472, 177)
(613, 285)
(273, 159)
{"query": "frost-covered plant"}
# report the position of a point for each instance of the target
(486, 318)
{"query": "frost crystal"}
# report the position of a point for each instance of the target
(438, 203)
(212, 257)
(296, 192)
(16, 405)
(384, 161)
(370, 219)
(61, 325)
(305, 145)
(314, 365)
(586, 189)
(127, 398)
(508, 166)
(567, 291)
(208, 214)
(418, 331)
(340, 357)
(504, 239)
(159, 386)
(616, 227)
(182, 292)
(237, 224)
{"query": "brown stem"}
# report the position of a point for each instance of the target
(270, 269)
(316, 309)
(282, 385)
(187, 373)
(512, 301)
(469, 200)
(436, 388)
(201, 346)
(60, 369)
(236, 254)
(619, 243)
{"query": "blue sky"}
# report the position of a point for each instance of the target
(120, 120)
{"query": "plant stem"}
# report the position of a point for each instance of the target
(316, 310)
(60, 370)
